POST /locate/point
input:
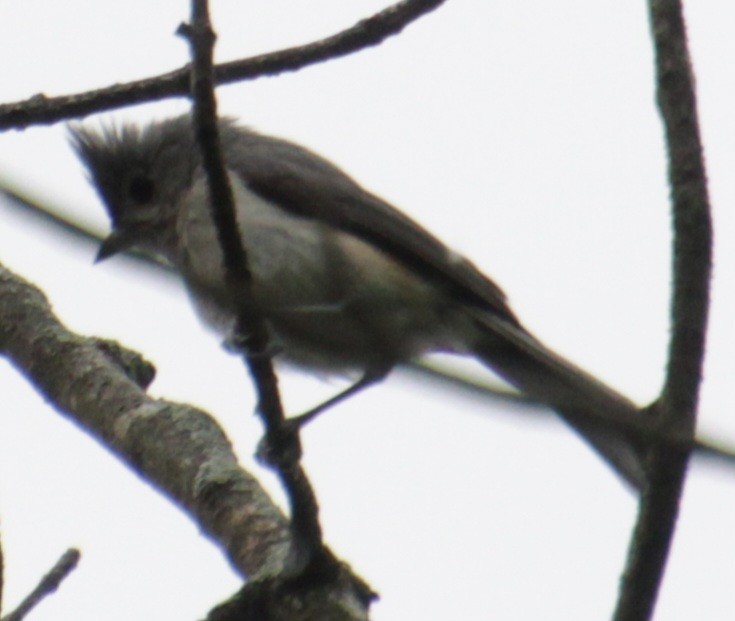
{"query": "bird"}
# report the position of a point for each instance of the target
(345, 282)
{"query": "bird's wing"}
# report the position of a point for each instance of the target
(307, 185)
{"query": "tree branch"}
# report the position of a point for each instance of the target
(48, 584)
(177, 448)
(676, 408)
(180, 449)
(368, 32)
(251, 334)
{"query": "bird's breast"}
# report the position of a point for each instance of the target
(332, 301)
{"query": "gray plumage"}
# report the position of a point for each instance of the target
(344, 280)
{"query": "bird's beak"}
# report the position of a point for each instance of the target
(115, 242)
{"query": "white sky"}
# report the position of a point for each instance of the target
(525, 135)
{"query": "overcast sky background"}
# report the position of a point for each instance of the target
(522, 133)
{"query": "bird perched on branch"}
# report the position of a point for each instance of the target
(344, 281)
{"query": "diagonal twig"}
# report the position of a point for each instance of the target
(368, 32)
(48, 584)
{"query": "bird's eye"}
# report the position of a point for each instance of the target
(141, 189)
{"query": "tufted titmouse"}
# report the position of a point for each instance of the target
(344, 280)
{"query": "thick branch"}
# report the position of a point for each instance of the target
(180, 449)
(177, 448)
(40, 109)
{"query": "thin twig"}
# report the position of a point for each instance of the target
(48, 584)
(22, 201)
(642, 429)
(368, 32)
(676, 409)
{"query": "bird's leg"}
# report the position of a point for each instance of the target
(284, 446)
(368, 379)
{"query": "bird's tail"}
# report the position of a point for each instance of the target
(581, 400)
